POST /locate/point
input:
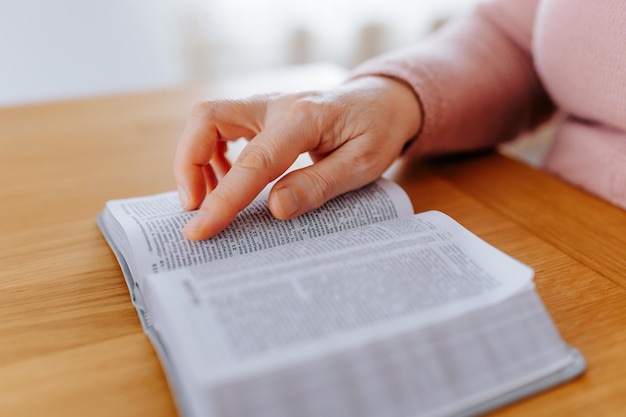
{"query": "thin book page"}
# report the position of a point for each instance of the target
(154, 226)
(333, 292)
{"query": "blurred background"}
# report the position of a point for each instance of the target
(60, 49)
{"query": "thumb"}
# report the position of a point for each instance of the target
(308, 188)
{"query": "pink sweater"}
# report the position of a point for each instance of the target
(506, 66)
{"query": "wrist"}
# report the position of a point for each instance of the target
(404, 101)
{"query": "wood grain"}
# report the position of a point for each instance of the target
(590, 230)
(71, 343)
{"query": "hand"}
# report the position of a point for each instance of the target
(353, 134)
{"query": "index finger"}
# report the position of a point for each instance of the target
(211, 122)
(265, 158)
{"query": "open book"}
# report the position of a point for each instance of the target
(359, 308)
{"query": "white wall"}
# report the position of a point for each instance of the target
(56, 49)
(52, 49)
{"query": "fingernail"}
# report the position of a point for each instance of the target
(288, 201)
(183, 197)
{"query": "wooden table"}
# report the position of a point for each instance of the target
(70, 340)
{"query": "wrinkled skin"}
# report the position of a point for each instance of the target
(353, 133)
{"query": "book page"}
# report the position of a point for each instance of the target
(410, 315)
(411, 271)
(154, 226)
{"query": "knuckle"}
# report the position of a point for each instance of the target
(306, 105)
(204, 108)
(212, 109)
(322, 187)
(309, 106)
(311, 116)
(257, 157)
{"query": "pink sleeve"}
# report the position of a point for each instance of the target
(475, 79)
